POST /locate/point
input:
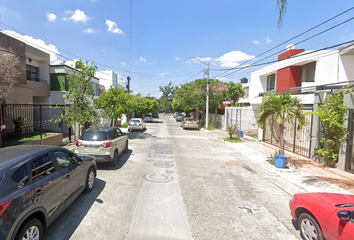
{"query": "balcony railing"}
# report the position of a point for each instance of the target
(38, 80)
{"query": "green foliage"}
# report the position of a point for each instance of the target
(331, 113)
(164, 103)
(114, 103)
(125, 125)
(233, 140)
(271, 158)
(211, 127)
(192, 95)
(168, 91)
(80, 95)
(145, 106)
(232, 129)
(285, 108)
(235, 92)
(20, 121)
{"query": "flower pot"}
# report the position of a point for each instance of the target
(280, 161)
(240, 133)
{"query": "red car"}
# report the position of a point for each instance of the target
(324, 215)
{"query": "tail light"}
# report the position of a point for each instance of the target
(128, 124)
(185, 123)
(78, 144)
(4, 206)
(197, 122)
(139, 124)
(106, 144)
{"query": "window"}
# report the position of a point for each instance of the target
(94, 136)
(65, 159)
(42, 167)
(21, 175)
(119, 132)
(113, 134)
(32, 73)
(271, 82)
(308, 72)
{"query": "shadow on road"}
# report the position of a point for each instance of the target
(121, 161)
(140, 135)
(67, 223)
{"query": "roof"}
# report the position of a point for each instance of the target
(100, 129)
(9, 153)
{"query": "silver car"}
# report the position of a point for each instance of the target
(106, 144)
(179, 117)
(190, 123)
(136, 124)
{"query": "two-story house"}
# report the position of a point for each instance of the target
(32, 84)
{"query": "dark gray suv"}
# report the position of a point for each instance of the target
(37, 183)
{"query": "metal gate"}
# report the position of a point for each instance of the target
(297, 141)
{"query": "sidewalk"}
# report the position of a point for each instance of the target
(342, 179)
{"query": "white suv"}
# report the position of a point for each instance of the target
(148, 118)
(104, 143)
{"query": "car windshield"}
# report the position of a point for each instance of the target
(179, 114)
(94, 136)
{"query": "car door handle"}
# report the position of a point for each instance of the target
(39, 193)
(67, 177)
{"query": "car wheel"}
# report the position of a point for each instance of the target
(126, 148)
(90, 180)
(115, 159)
(309, 227)
(33, 229)
(129, 130)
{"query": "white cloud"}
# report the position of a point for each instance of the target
(141, 59)
(268, 40)
(51, 17)
(255, 42)
(37, 43)
(113, 27)
(177, 58)
(89, 30)
(231, 59)
(162, 75)
(123, 63)
(70, 63)
(77, 16)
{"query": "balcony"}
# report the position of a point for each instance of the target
(37, 80)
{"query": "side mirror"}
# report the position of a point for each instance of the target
(344, 215)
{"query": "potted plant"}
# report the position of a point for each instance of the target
(19, 122)
(286, 109)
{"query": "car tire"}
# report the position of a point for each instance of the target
(32, 229)
(129, 130)
(309, 227)
(90, 180)
(126, 148)
(115, 159)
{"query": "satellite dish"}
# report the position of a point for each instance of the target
(290, 47)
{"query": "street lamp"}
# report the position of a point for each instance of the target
(207, 95)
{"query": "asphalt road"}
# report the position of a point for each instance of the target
(181, 184)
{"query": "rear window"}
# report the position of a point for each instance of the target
(191, 119)
(21, 175)
(135, 121)
(94, 136)
(147, 115)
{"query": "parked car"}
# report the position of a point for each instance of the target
(179, 117)
(106, 144)
(148, 118)
(155, 115)
(190, 123)
(324, 215)
(136, 124)
(37, 183)
(175, 114)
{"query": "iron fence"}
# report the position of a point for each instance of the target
(37, 123)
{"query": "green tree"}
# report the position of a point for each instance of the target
(168, 91)
(235, 92)
(114, 103)
(145, 106)
(331, 113)
(286, 109)
(80, 94)
(164, 103)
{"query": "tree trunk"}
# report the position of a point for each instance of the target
(282, 140)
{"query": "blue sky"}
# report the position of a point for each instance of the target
(152, 44)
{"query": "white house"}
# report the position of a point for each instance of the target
(109, 78)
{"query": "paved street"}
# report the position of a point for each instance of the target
(182, 184)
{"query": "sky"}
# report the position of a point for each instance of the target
(151, 40)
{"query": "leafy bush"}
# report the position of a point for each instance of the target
(20, 121)
(125, 125)
(271, 158)
(232, 129)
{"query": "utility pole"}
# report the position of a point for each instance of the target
(207, 100)
(128, 87)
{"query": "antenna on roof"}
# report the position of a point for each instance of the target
(290, 47)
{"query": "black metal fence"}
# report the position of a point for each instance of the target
(30, 122)
(297, 141)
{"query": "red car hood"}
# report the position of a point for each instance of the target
(333, 199)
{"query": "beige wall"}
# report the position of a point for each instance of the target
(20, 95)
(39, 89)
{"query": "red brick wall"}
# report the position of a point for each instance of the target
(289, 53)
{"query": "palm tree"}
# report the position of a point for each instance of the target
(286, 110)
(281, 5)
